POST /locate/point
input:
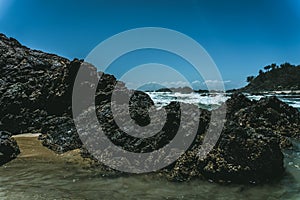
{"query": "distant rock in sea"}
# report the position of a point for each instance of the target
(183, 90)
(151, 87)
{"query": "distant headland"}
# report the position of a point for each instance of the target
(283, 78)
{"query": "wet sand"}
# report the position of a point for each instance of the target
(32, 149)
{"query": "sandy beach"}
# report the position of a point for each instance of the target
(31, 148)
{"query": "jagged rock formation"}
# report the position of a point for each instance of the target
(36, 96)
(253, 133)
(33, 85)
(8, 147)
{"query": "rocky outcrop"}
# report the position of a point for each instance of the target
(36, 96)
(242, 155)
(8, 147)
(236, 102)
(248, 149)
(275, 78)
(33, 85)
(59, 134)
(274, 116)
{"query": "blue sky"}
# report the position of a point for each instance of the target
(240, 36)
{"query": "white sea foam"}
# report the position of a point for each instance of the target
(164, 98)
(210, 100)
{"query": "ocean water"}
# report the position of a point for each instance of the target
(292, 100)
(31, 178)
(207, 101)
(211, 101)
(35, 179)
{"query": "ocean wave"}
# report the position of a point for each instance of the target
(210, 101)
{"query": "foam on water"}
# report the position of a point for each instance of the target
(211, 100)
(164, 98)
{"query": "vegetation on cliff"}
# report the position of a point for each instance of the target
(274, 77)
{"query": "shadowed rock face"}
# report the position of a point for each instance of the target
(35, 96)
(8, 147)
(241, 155)
(33, 85)
(272, 116)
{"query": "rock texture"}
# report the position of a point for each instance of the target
(241, 155)
(8, 147)
(36, 96)
(35, 93)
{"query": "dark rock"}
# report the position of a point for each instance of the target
(248, 149)
(129, 142)
(271, 114)
(241, 155)
(36, 96)
(139, 105)
(237, 102)
(59, 134)
(8, 147)
(32, 82)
